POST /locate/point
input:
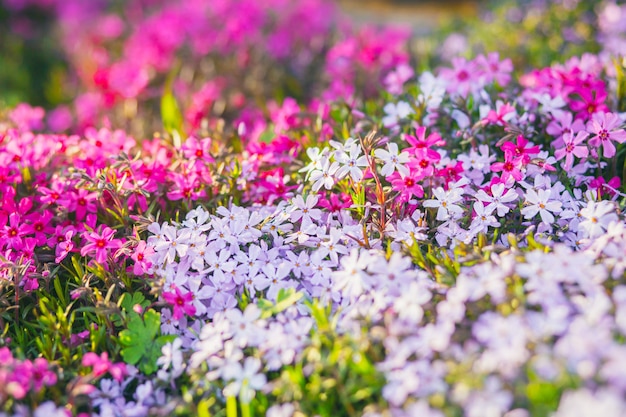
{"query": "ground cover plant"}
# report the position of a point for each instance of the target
(229, 221)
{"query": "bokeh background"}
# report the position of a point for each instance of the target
(46, 60)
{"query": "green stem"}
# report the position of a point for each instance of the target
(246, 410)
(231, 406)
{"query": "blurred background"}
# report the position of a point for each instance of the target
(43, 58)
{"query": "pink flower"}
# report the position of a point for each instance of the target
(501, 115)
(100, 244)
(520, 149)
(198, 149)
(492, 69)
(510, 168)
(140, 256)
(463, 78)
(335, 203)
(182, 303)
(408, 186)
(396, 79)
(15, 231)
(605, 128)
(65, 247)
(101, 365)
(591, 101)
(572, 148)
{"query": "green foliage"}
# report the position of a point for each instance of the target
(285, 299)
(336, 376)
(141, 342)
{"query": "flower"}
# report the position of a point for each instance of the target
(604, 127)
(245, 380)
(393, 160)
(396, 112)
(324, 175)
(181, 302)
(100, 244)
(444, 202)
(497, 198)
(571, 147)
(597, 217)
(539, 203)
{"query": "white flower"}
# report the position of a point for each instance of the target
(317, 158)
(395, 112)
(351, 162)
(432, 90)
(539, 203)
(172, 358)
(483, 219)
(445, 202)
(393, 160)
(324, 175)
(585, 403)
(305, 209)
(246, 379)
(597, 217)
(497, 198)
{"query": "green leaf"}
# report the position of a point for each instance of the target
(170, 111)
(284, 299)
(267, 136)
(138, 341)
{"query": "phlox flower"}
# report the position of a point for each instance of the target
(539, 202)
(498, 198)
(15, 231)
(394, 113)
(100, 244)
(432, 90)
(396, 79)
(463, 77)
(563, 123)
(64, 247)
(510, 168)
(605, 127)
(501, 115)
(245, 380)
(101, 365)
(324, 175)
(408, 186)
(305, 210)
(598, 215)
(197, 149)
(351, 161)
(393, 160)
(172, 358)
(445, 203)
(591, 100)
(181, 302)
(494, 69)
(520, 149)
(484, 219)
(141, 255)
(572, 147)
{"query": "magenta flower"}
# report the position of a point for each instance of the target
(510, 168)
(65, 247)
(101, 365)
(520, 149)
(591, 101)
(15, 231)
(605, 128)
(182, 303)
(100, 244)
(572, 148)
(140, 256)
